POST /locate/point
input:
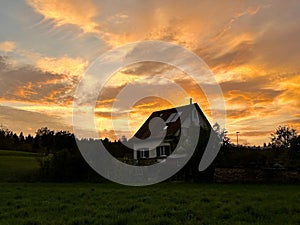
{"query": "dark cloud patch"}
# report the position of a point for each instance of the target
(110, 115)
(3, 63)
(105, 103)
(28, 122)
(108, 93)
(238, 113)
(147, 68)
(254, 89)
(250, 85)
(293, 121)
(30, 84)
(239, 55)
(148, 104)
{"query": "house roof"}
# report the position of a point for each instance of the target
(172, 122)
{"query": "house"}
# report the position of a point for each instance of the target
(158, 136)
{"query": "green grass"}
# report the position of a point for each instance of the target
(162, 204)
(167, 203)
(15, 165)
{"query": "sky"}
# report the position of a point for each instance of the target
(251, 47)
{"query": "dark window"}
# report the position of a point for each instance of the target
(162, 151)
(143, 153)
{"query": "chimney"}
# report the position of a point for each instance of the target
(191, 101)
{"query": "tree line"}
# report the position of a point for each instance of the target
(282, 152)
(60, 159)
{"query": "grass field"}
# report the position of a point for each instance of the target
(162, 204)
(167, 203)
(16, 165)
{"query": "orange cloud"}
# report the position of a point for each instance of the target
(63, 65)
(29, 84)
(64, 12)
(25, 91)
(291, 93)
(7, 46)
(191, 24)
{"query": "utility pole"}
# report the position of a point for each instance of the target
(237, 138)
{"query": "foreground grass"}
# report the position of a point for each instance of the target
(168, 203)
(16, 165)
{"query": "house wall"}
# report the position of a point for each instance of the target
(196, 119)
(152, 153)
(146, 144)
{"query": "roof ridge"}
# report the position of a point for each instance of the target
(183, 106)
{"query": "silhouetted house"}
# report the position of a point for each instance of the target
(158, 136)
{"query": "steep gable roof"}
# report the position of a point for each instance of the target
(172, 121)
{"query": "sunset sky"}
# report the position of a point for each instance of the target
(252, 47)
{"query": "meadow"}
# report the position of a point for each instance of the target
(165, 203)
(17, 165)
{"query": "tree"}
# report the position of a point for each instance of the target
(45, 138)
(21, 137)
(222, 134)
(295, 144)
(283, 137)
(295, 149)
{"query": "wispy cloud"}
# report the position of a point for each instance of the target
(7, 46)
(63, 65)
(68, 12)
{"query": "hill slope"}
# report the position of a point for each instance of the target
(16, 166)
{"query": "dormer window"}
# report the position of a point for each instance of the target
(173, 117)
